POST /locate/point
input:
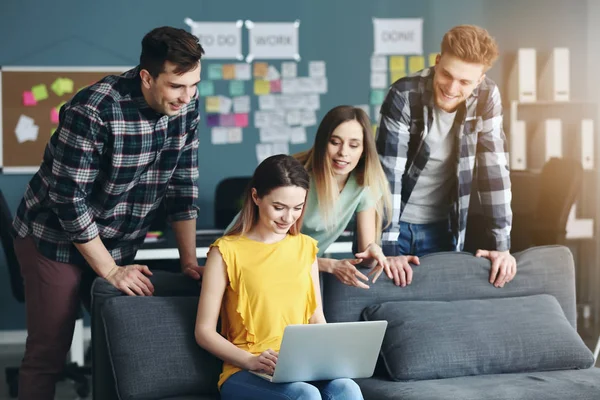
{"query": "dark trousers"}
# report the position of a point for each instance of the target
(52, 303)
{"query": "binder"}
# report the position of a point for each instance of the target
(554, 144)
(554, 84)
(523, 77)
(518, 146)
(518, 140)
(587, 143)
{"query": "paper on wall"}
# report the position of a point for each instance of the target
(219, 135)
(398, 36)
(273, 40)
(290, 85)
(316, 69)
(234, 135)
(308, 118)
(241, 104)
(272, 73)
(281, 148)
(297, 135)
(267, 102)
(289, 69)
(243, 72)
(221, 40)
(378, 64)
(378, 80)
(293, 117)
(263, 150)
(26, 129)
(269, 135)
(269, 119)
(225, 104)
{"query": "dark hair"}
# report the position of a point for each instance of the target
(170, 44)
(274, 172)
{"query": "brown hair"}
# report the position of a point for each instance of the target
(472, 44)
(274, 172)
(368, 171)
(170, 44)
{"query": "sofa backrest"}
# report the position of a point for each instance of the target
(460, 276)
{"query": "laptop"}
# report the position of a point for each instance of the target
(315, 352)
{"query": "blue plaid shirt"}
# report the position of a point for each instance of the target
(406, 118)
(106, 170)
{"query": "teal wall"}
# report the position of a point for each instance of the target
(107, 33)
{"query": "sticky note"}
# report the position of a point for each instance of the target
(395, 75)
(52, 131)
(54, 116)
(377, 96)
(432, 58)
(397, 63)
(57, 87)
(276, 86)
(236, 88)
(227, 120)
(215, 71)
(67, 85)
(228, 71)
(39, 92)
(212, 120)
(241, 120)
(415, 63)
(262, 87)
(242, 71)
(261, 69)
(29, 99)
(206, 88)
(212, 104)
(374, 128)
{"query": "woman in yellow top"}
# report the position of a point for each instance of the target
(261, 277)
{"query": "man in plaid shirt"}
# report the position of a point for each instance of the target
(122, 146)
(438, 128)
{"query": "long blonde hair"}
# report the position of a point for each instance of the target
(368, 171)
(274, 172)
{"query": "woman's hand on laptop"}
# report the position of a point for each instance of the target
(264, 362)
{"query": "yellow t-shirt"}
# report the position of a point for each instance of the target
(270, 287)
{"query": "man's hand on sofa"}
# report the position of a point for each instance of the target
(193, 271)
(504, 266)
(264, 362)
(401, 270)
(131, 279)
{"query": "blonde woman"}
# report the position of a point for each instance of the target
(347, 180)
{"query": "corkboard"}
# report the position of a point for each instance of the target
(25, 155)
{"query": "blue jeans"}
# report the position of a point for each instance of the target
(246, 386)
(421, 239)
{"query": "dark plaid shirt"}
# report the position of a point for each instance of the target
(106, 170)
(406, 119)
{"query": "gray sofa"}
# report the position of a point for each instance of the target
(451, 335)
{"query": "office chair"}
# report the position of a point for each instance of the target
(72, 371)
(560, 184)
(229, 198)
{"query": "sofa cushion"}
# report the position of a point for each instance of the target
(437, 339)
(550, 385)
(153, 351)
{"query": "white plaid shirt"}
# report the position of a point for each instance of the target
(406, 118)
